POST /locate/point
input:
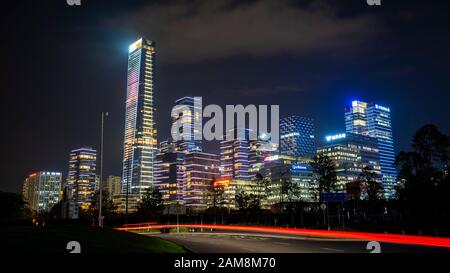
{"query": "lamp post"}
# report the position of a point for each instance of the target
(100, 186)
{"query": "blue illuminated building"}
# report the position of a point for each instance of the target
(374, 120)
(351, 153)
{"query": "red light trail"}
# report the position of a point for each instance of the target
(364, 236)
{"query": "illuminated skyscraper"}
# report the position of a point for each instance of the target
(81, 179)
(351, 153)
(113, 185)
(259, 150)
(42, 190)
(280, 169)
(235, 155)
(170, 176)
(140, 144)
(297, 137)
(374, 120)
(201, 170)
(356, 118)
(166, 146)
(191, 120)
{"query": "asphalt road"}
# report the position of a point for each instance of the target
(220, 242)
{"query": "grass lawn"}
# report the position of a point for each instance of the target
(54, 238)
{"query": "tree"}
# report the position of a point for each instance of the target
(325, 173)
(248, 205)
(431, 145)
(262, 187)
(108, 207)
(241, 199)
(293, 192)
(151, 201)
(428, 161)
(370, 184)
(247, 202)
(216, 190)
(423, 173)
(409, 164)
(56, 210)
(13, 209)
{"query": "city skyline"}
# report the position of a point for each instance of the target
(224, 135)
(292, 121)
(306, 83)
(183, 173)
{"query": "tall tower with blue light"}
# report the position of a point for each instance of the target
(374, 120)
(140, 144)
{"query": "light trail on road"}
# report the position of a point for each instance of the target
(364, 236)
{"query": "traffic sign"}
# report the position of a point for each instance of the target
(333, 197)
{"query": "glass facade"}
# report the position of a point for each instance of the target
(42, 190)
(280, 169)
(235, 155)
(140, 144)
(259, 150)
(192, 121)
(201, 170)
(351, 153)
(297, 137)
(170, 176)
(114, 185)
(81, 179)
(374, 120)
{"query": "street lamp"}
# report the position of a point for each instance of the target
(100, 186)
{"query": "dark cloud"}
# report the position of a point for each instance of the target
(190, 31)
(254, 91)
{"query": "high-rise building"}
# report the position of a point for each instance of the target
(201, 170)
(191, 122)
(233, 187)
(356, 118)
(126, 203)
(285, 170)
(258, 151)
(140, 144)
(113, 185)
(81, 179)
(374, 120)
(297, 137)
(235, 155)
(351, 153)
(166, 146)
(170, 176)
(42, 190)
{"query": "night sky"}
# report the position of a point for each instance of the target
(62, 65)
